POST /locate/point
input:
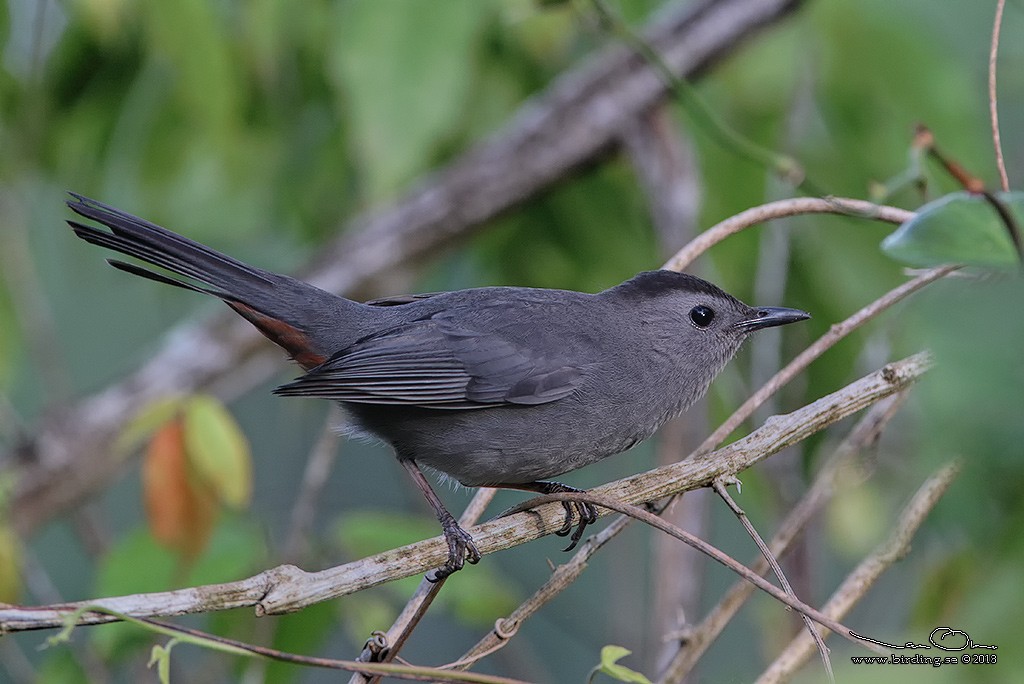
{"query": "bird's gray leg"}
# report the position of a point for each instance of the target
(587, 512)
(460, 545)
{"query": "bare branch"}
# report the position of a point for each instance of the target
(563, 576)
(236, 647)
(766, 553)
(782, 209)
(711, 552)
(993, 100)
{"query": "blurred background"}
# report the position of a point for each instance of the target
(271, 130)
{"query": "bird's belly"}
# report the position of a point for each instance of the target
(503, 445)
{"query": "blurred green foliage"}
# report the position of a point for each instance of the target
(261, 127)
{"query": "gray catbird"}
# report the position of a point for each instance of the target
(495, 386)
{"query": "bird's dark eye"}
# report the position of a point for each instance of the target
(702, 316)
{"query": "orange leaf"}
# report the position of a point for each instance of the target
(181, 510)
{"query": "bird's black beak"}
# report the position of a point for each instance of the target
(771, 316)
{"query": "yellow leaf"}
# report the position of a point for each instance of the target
(218, 451)
(10, 566)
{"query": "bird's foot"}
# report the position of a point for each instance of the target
(461, 548)
(586, 512)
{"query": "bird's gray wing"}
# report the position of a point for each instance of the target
(435, 363)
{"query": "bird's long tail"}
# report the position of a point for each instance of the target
(271, 302)
(229, 278)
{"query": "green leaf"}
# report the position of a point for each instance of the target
(405, 76)
(145, 422)
(958, 228)
(218, 450)
(161, 657)
(610, 655)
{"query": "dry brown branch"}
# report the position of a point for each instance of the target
(577, 118)
(694, 642)
(858, 582)
(287, 588)
(766, 553)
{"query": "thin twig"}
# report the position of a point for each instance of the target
(392, 641)
(720, 489)
(858, 582)
(695, 642)
(993, 101)
(708, 550)
(972, 184)
(318, 468)
(233, 646)
(563, 576)
(781, 209)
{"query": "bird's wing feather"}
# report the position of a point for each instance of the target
(435, 363)
(399, 300)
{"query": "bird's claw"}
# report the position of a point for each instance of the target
(585, 510)
(461, 549)
(587, 513)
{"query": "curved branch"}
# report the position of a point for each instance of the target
(782, 209)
